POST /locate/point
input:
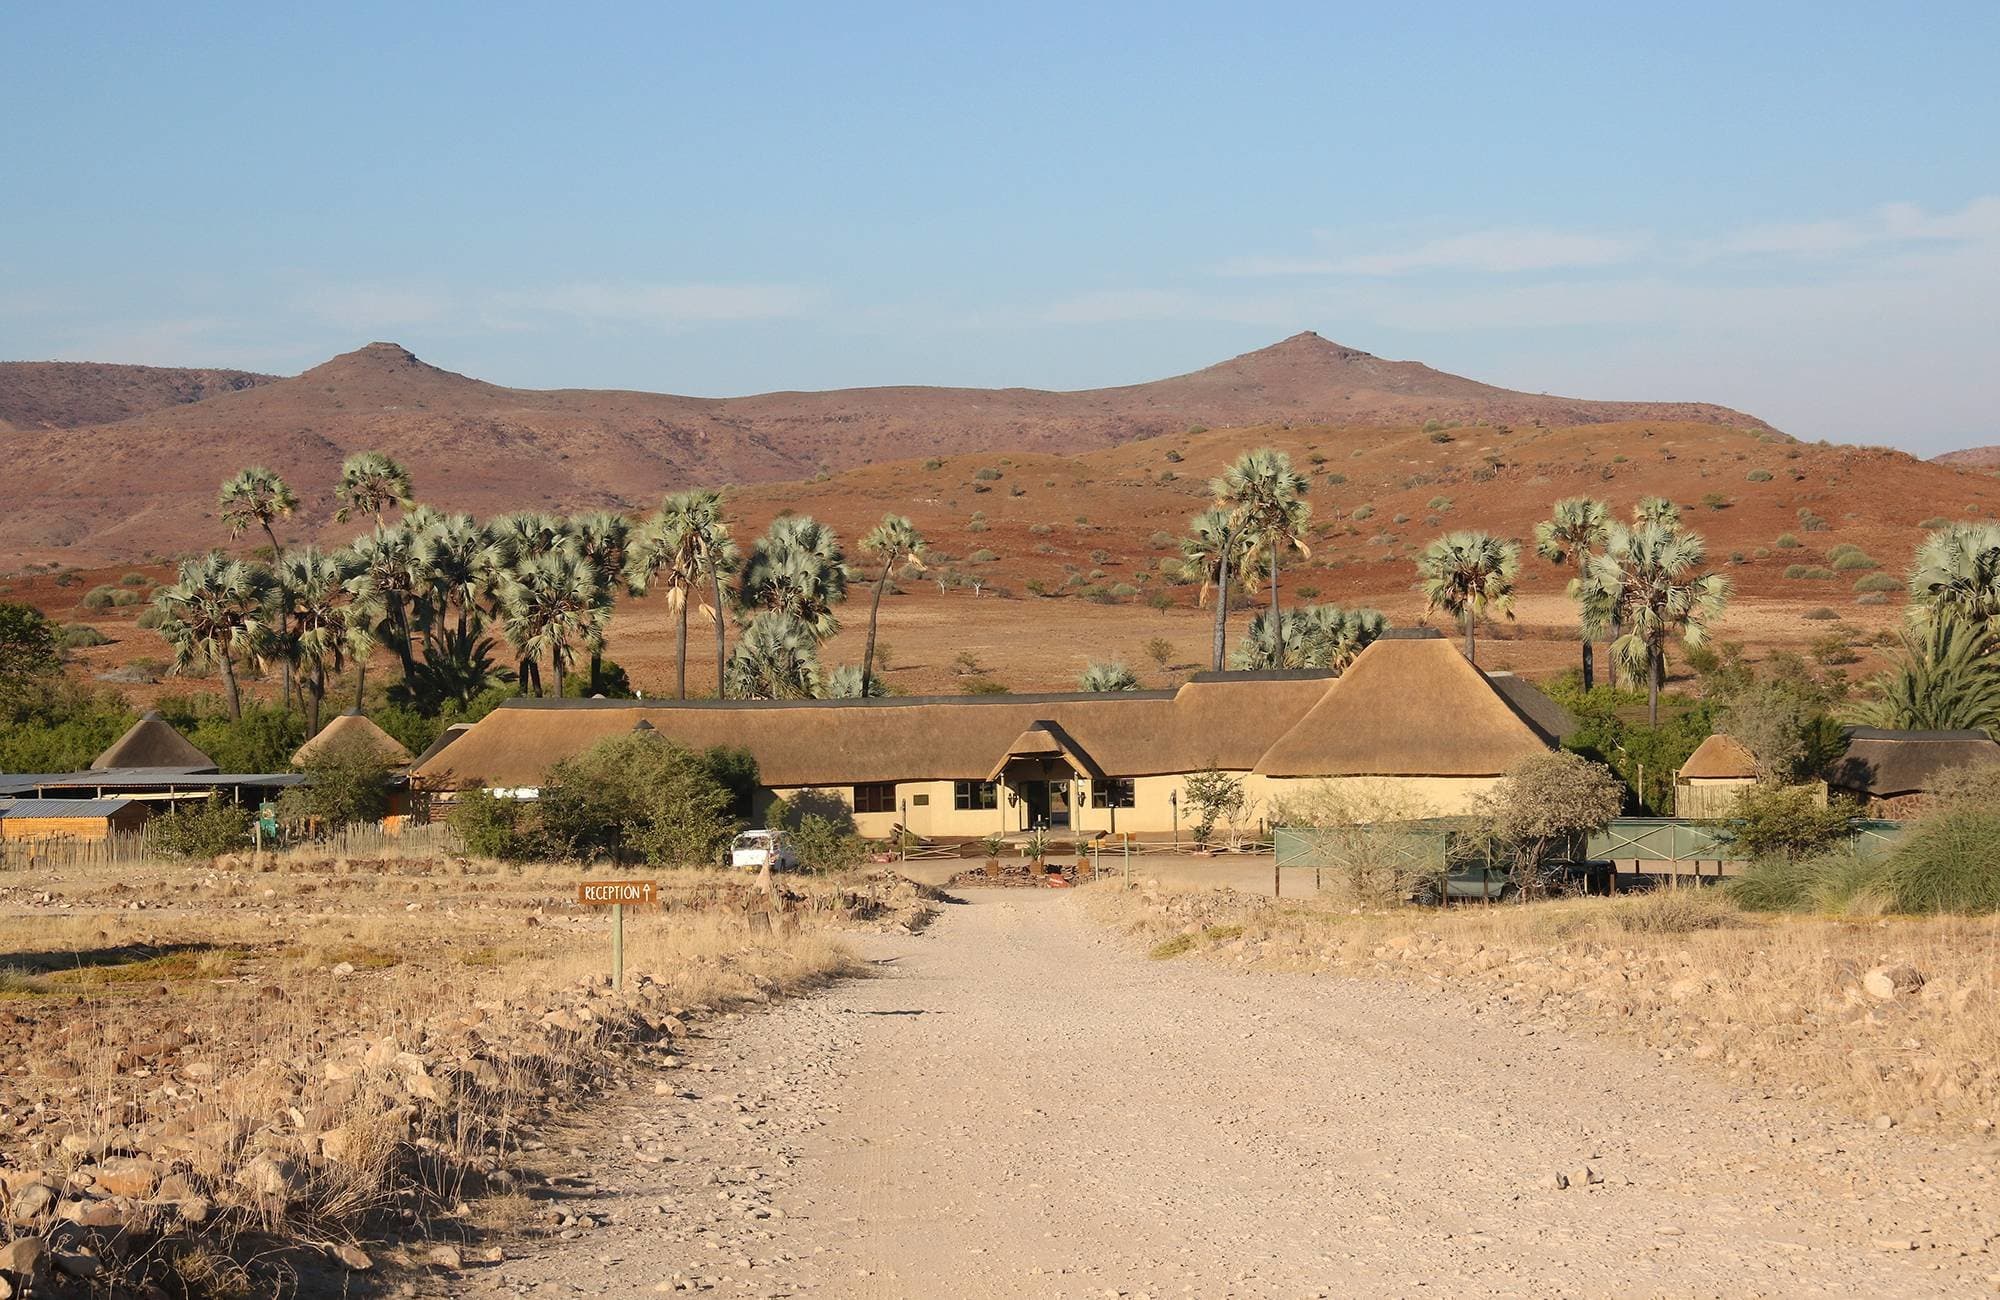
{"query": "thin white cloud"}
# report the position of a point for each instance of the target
(1888, 225)
(668, 303)
(1495, 252)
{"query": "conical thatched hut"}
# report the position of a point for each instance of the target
(1714, 777)
(353, 729)
(151, 742)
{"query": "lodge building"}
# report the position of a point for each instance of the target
(1411, 726)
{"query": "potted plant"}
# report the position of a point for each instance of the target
(994, 845)
(1037, 848)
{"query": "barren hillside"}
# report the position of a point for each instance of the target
(71, 394)
(147, 484)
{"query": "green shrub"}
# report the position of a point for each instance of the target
(1440, 504)
(1821, 613)
(490, 826)
(1363, 511)
(1786, 542)
(78, 636)
(1945, 863)
(1936, 521)
(986, 474)
(1714, 501)
(100, 598)
(636, 793)
(1758, 476)
(345, 785)
(205, 831)
(824, 845)
(1877, 582)
(135, 580)
(934, 463)
(1041, 530)
(1787, 821)
(981, 556)
(1810, 522)
(1872, 598)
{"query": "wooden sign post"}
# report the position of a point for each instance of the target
(616, 894)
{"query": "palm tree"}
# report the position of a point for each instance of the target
(1944, 680)
(689, 542)
(1208, 555)
(526, 535)
(371, 482)
(1568, 537)
(1957, 574)
(214, 612)
(1267, 497)
(388, 578)
(257, 498)
(797, 568)
(1316, 636)
(604, 539)
(897, 544)
(846, 683)
(1658, 511)
(1470, 575)
(553, 604)
(776, 658)
(1112, 676)
(318, 620)
(1647, 577)
(458, 570)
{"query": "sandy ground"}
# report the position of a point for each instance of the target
(1020, 1105)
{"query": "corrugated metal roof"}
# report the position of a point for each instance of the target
(31, 808)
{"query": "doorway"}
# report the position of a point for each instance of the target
(1047, 804)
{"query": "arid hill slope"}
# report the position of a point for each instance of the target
(1971, 457)
(71, 394)
(147, 484)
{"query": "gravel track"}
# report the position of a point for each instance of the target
(1021, 1105)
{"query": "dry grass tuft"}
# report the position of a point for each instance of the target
(1768, 1001)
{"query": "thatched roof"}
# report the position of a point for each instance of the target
(1225, 723)
(353, 730)
(1544, 714)
(1046, 740)
(443, 742)
(1721, 757)
(1407, 707)
(152, 742)
(1884, 763)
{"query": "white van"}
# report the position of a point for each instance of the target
(754, 849)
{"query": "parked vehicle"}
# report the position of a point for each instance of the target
(1468, 881)
(754, 850)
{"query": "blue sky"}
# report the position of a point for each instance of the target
(1790, 208)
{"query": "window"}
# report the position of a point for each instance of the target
(970, 796)
(1111, 794)
(877, 797)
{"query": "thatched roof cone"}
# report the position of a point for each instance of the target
(1721, 757)
(152, 742)
(1407, 707)
(353, 729)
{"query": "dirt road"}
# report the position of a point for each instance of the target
(1020, 1105)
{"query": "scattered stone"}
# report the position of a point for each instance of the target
(353, 1257)
(1887, 983)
